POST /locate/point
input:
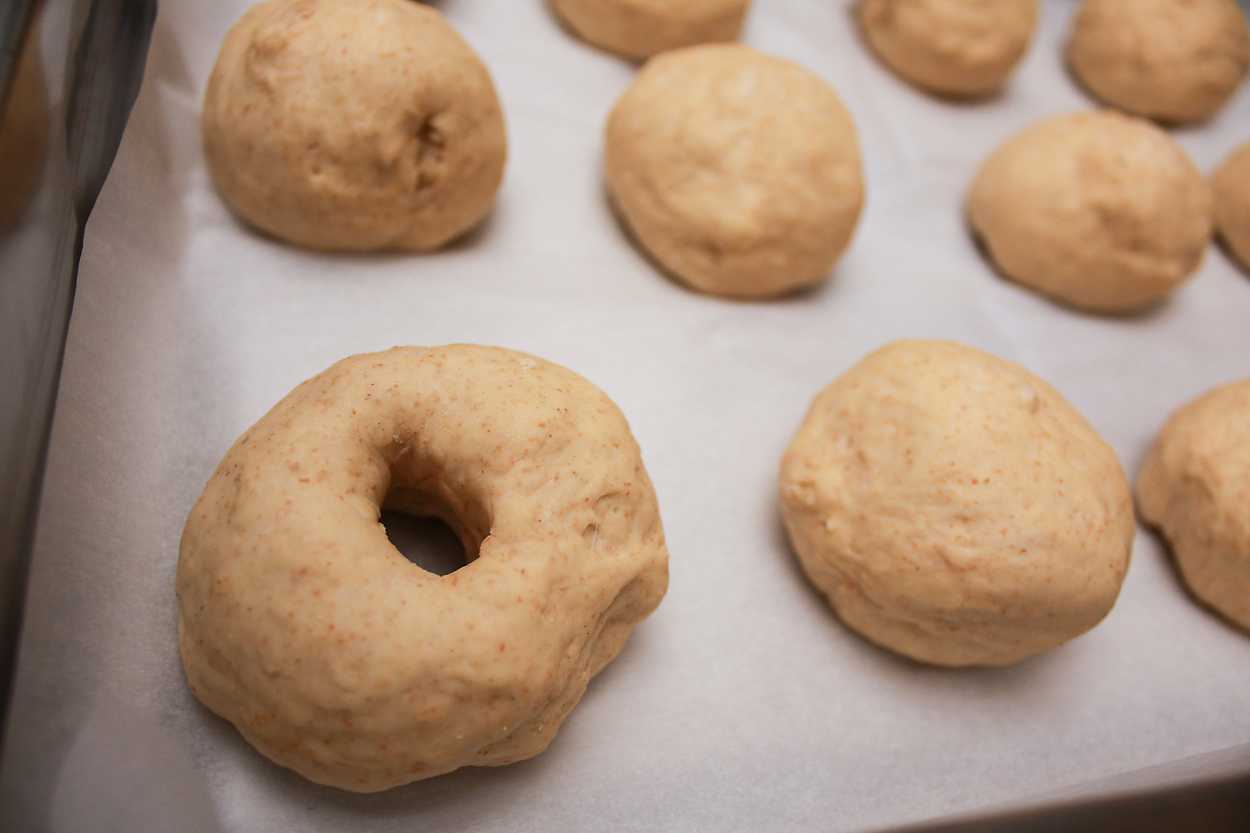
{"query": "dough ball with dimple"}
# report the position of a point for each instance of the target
(954, 508)
(1171, 60)
(334, 655)
(353, 125)
(951, 47)
(739, 172)
(1098, 210)
(1231, 186)
(642, 28)
(1195, 487)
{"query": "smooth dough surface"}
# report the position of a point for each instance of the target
(1096, 209)
(951, 47)
(1195, 488)
(335, 656)
(1171, 60)
(353, 125)
(739, 172)
(1231, 187)
(954, 508)
(641, 28)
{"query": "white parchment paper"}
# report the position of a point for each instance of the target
(742, 705)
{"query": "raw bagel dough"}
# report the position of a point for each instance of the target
(954, 508)
(642, 28)
(1195, 487)
(353, 125)
(1099, 210)
(1231, 186)
(951, 47)
(338, 658)
(1171, 60)
(739, 172)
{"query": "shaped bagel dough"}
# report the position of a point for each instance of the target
(335, 656)
(353, 125)
(954, 508)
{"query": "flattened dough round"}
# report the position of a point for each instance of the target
(1171, 60)
(353, 125)
(641, 28)
(335, 656)
(1098, 210)
(739, 172)
(962, 48)
(1195, 487)
(1231, 187)
(954, 508)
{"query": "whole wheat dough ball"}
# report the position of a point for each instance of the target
(1171, 60)
(739, 172)
(353, 125)
(1098, 210)
(952, 47)
(1231, 186)
(954, 508)
(1195, 487)
(641, 28)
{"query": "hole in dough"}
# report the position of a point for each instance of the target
(427, 542)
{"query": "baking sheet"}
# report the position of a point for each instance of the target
(741, 705)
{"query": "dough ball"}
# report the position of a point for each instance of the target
(737, 171)
(1195, 487)
(954, 508)
(353, 125)
(952, 47)
(642, 28)
(1171, 60)
(1231, 185)
(1098, 210)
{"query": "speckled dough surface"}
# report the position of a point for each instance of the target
(334, 655)
(1096, 209)
(739, 172)
(353, 125)
(642, 28)
(1195, 487)
(952, 47)
(954, 508)
(1172, 60)
(1231, 188)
